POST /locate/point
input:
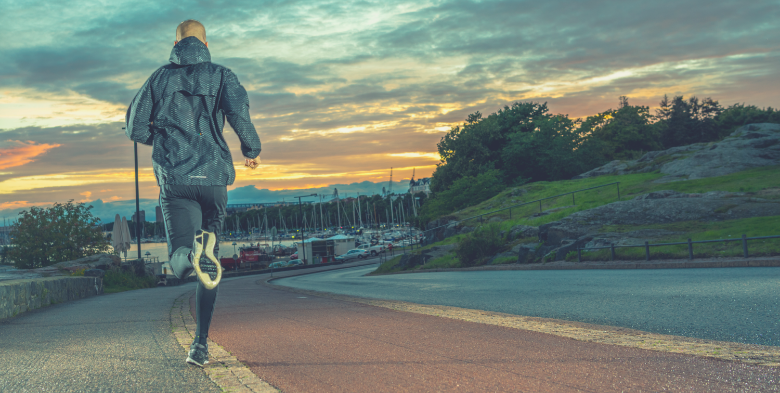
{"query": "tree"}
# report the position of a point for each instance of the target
(63, 232)
(476, 146)
(688, 122)
(553, 151)
(627, 132)
(739, 115)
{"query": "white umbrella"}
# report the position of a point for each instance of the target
(117, 236)
(126, 240)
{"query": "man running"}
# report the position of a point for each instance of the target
(180, 111)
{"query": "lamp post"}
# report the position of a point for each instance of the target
(137, 207)
(303, 233)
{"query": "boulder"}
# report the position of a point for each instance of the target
(523, 251)
(465, 230)
(411, 260)
(571, 245)
(521, 231)
(495, 219)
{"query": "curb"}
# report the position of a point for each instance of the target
(223, 368)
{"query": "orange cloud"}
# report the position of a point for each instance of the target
(22, 154)
(16, 204)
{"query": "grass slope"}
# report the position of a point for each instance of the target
(764, 182)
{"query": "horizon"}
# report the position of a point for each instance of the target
(340, 92)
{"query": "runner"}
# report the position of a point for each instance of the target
(180, 111)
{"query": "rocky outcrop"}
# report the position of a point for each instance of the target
(750, 146)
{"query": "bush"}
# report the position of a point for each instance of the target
(60, 233)
(117, 280)
(476, 247)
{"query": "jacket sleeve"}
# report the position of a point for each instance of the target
(235, 104)
(138, 120)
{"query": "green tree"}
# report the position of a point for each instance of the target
(688, 122)
(627, 133)
(555, 150)
(63, 232)
(739, 115)
(476, 147)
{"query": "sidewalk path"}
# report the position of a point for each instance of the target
(303, 343)
(111, 343)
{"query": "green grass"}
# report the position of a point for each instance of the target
(443, 262)
(119, 281)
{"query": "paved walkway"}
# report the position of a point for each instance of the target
(111, 343)
(130, 342)
(303, 343)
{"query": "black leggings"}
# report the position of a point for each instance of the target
(185, 210)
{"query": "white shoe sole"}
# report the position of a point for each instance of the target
(205, 242)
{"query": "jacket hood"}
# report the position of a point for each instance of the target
(190, 51)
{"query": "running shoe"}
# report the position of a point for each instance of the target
(206, 265)
(199, 354)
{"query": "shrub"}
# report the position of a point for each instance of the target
(117, 280)
(63, 232)
(476, 247)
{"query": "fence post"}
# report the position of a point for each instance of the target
(572, 199)
(579, 254)
(540, 206)
(690, 249)
(612, 255)
(744, 245)
(647, 251)
(618, 188)
(510, 213)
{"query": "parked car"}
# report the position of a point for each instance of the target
(354, 254)
(373, 250)
(293, 256)
(294, 262)
(276, 265)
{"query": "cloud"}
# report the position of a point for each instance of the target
(22, 153)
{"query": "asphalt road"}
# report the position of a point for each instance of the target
(110, 343)
(304, 343)
(726, 304)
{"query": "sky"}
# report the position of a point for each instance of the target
(341, 91)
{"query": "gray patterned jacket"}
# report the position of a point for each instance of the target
(181, 110)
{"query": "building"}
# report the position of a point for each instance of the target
(420, 185)
(158, 215)
(142, 214)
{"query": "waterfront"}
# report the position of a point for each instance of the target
(160, 250)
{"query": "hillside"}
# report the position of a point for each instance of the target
(651, 208)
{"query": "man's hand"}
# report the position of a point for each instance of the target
(252, 163)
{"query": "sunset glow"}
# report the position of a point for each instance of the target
(340, 92)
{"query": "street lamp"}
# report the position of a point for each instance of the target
(303, 233)
(137, 207)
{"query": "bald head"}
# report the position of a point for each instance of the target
(191, 28)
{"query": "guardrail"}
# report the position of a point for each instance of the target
(690, 244)
(431, 239)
